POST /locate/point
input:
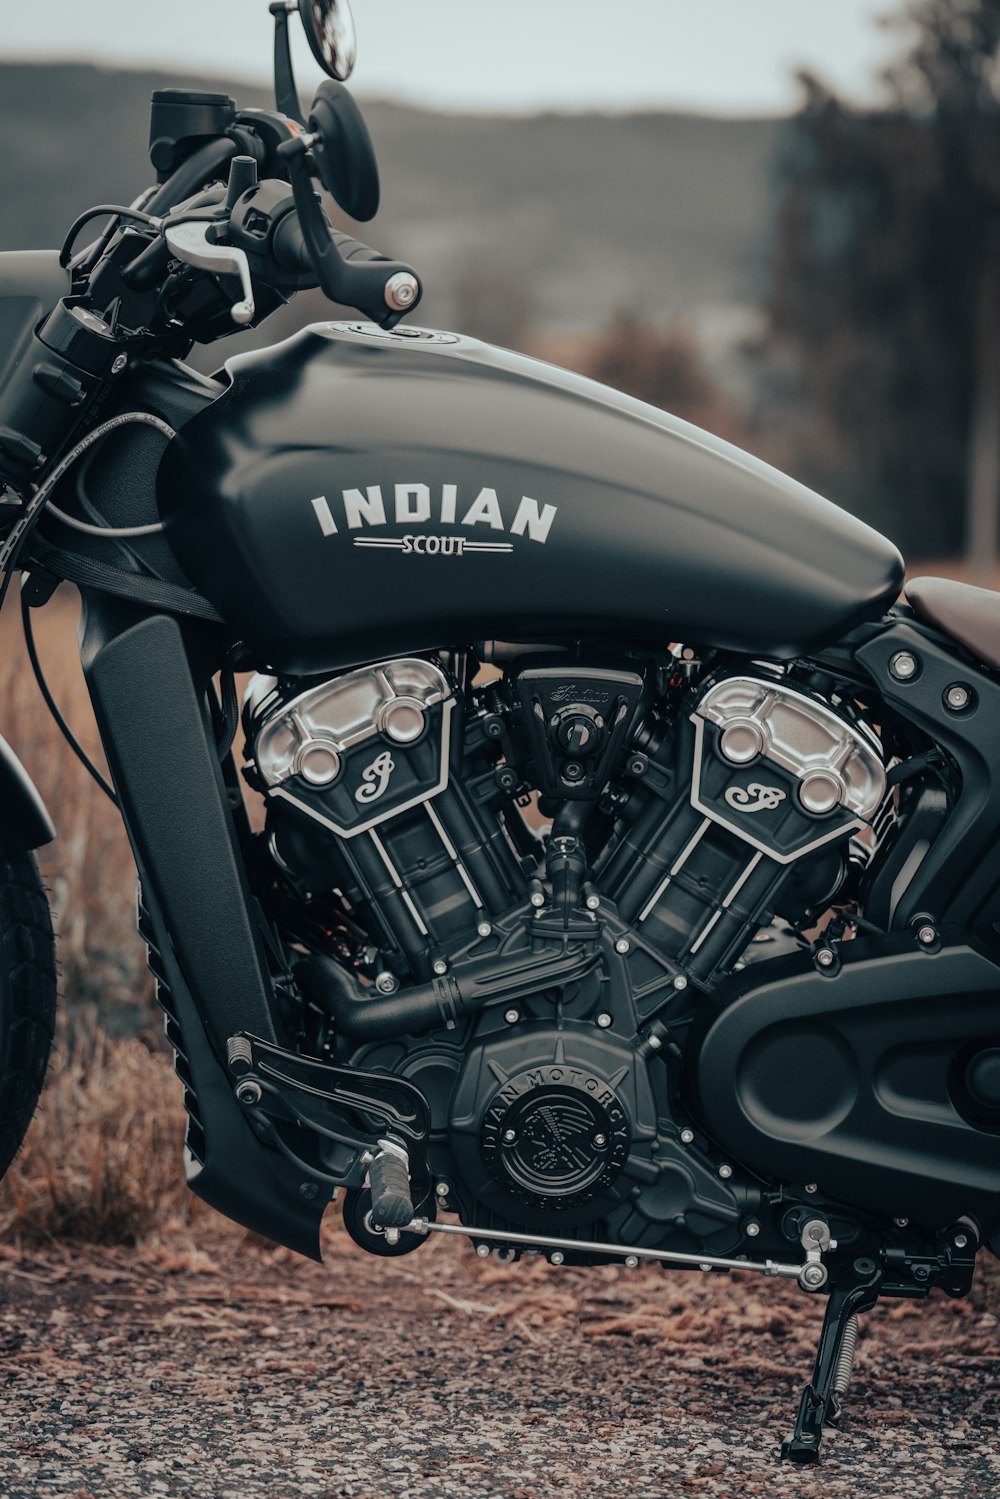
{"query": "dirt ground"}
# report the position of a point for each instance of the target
(240, 1372)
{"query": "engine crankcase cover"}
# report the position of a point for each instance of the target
(859, 1082)
(358, 749)
(782, 770)
(543, 1123)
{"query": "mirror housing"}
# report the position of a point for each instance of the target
(329, 27)
(344, 155)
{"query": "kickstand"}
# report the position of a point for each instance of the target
(822, 1401)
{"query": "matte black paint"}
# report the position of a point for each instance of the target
(848, 1081)
(662, 533)
(24, 820)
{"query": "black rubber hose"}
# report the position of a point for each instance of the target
(440, 1003)
(392, 1206)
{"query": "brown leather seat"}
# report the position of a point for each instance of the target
(969, 615)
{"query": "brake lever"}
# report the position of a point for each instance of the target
(189, 242)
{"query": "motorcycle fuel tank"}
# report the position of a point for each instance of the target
(354, 493)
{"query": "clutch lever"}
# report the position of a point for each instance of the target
(189, 242)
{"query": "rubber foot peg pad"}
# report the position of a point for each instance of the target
(392, 1206)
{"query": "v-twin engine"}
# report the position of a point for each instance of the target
(510, 892)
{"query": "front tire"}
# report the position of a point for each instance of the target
(27, 998)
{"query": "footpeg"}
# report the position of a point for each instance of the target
(389, 1180)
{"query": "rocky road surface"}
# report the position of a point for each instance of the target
(244, 1373)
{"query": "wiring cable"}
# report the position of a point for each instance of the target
(133, 215)
(14, 545)
(53, 707)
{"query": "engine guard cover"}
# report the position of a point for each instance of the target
(859, 1082)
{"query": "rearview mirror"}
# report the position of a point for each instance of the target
(344, 156)
(329, 25)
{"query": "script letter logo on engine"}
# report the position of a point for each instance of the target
(376, 778)
(755, 798)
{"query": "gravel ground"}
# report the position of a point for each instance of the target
(245, 1373)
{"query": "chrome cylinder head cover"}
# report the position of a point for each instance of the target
(783, 770)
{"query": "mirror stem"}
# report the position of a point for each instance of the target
(286, 95)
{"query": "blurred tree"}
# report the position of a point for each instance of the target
(661, 366)
(885, 311)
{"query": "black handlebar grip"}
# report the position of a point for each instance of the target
(389, 1178)
(289, 247)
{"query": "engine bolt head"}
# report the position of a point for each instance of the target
(600, 1141)
(631, 1261)
(926, 936)
(687, 1136)
(904, 666)
(957, 697)
(622, 945)
(960, 1241)
(752, 1229)
(386, 982)
(604, 1020)
(556, 1257)
(537, 899)
(512, 1016)
(440, 966)
(680, 982)
(593, 903)
(483, 1251)
(249, 1092)
(811, 1187)
(121, 360)
(826, 957)
(901, 1222)
(441, 1190)
(813, 1276)
(725, 1172)
(509, 1136)
(484, 929)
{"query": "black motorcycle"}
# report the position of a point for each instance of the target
(625, 881)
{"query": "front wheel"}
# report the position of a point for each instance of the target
(27, 998)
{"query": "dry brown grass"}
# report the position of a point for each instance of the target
(102, 1160)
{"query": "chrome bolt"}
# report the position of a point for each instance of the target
(705, 1269)
(725, 1172)
(904, 666)
(440, 966)
(901, 1222)
(604, 1020)
(509, 1136)
(537, 899)
(687, 1136)
(811, 1187)
(401, 291)
(249, 1092)
(512, 1016)
(631, 1260)
(119, 364)
(484, 929)
(622, 945)
(826, 957)
(752, 1229)
(441, 1190)
(960, 1241)
(556, 1257)
(386, 982)
(653, 1041)
(813, 1276)
(483, 1251)
(391, 1235)
(927, 936)
(680, 982)
(593, 902)
(601, 1140)
(958, 697)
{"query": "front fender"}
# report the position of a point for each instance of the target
(24, 821)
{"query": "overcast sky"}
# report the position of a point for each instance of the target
(717, 56)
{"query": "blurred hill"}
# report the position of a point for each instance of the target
(555, 220)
